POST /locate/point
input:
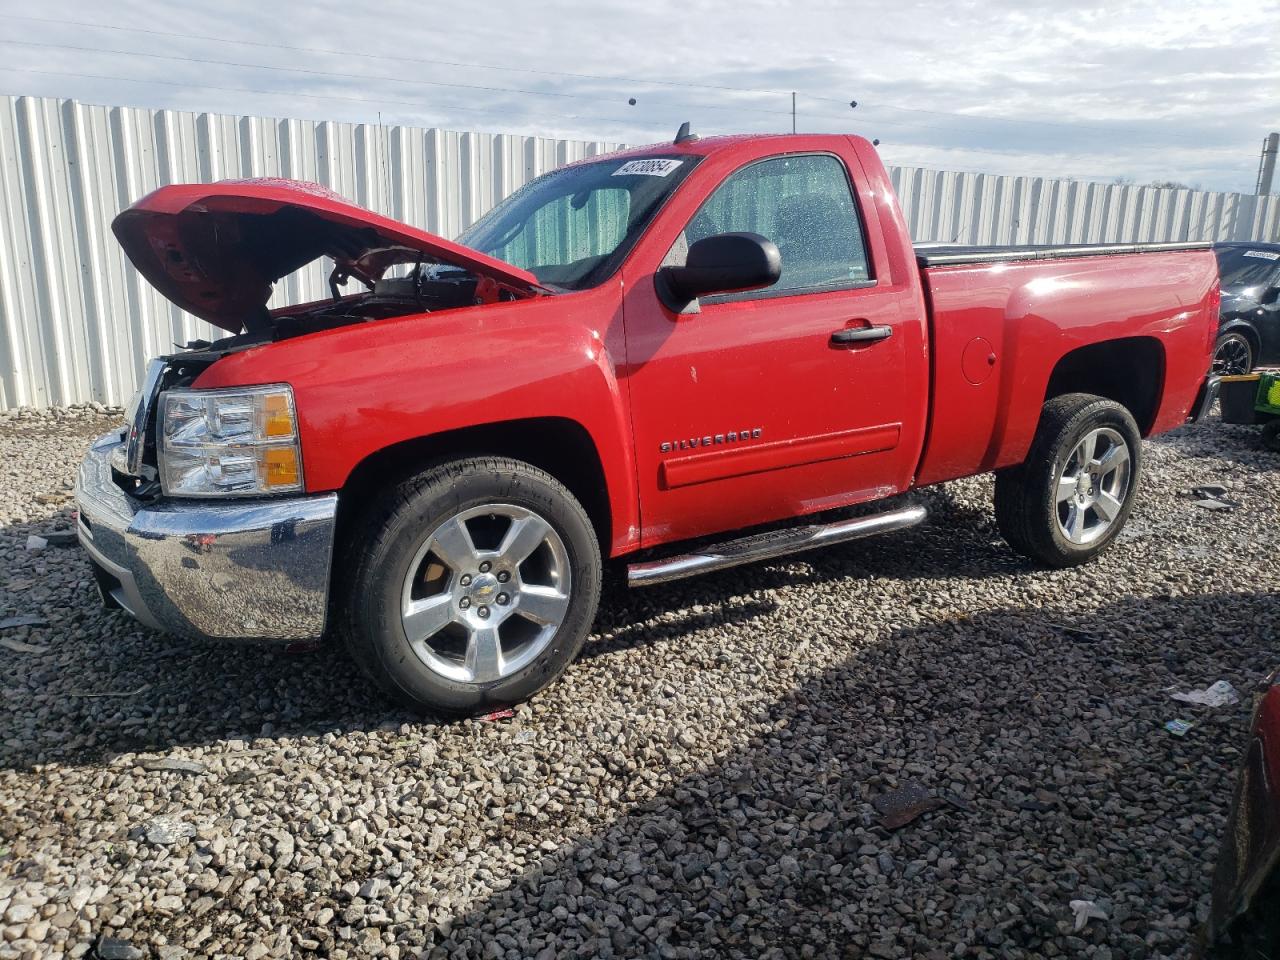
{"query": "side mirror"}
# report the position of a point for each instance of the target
(723, 263)
(1270, 295)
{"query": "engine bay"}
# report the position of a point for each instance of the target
(424, 290)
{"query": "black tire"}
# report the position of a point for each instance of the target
(1233, 354)
(1028, 512)
(390, 537)
(1271, 435)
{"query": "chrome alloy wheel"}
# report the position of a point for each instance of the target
(486, 592)
(1093, 485)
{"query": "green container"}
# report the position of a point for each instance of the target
(1267, 399)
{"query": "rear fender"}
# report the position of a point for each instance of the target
(1021, 321)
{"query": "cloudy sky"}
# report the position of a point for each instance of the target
(1175, 90)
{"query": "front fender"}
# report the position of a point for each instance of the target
(364, 388)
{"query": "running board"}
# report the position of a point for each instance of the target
(766, 546)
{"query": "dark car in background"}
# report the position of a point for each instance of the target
(1249, 334)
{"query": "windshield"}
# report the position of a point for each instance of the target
(571, 228)
(1246, 266)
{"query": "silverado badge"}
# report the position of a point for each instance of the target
(710, 440)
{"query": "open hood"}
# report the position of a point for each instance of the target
(215, 249)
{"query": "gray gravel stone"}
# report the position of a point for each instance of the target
(699, 783)
(166, 830)
(114, 948)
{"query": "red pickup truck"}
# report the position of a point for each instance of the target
(669, 344)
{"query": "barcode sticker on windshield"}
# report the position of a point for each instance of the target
(1262, 254)
(656, 167)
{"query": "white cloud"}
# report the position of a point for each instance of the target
(1168, 91)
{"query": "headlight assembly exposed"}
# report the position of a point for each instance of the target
(241, 441)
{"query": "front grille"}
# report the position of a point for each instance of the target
(140, 419)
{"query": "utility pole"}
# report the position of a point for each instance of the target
(1267, 168)
(793, 111)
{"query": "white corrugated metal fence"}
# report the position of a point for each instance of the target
(77, 323)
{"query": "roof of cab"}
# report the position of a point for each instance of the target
(704, 146)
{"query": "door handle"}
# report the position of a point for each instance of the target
(861, 335)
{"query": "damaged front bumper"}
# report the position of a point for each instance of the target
(233, 569)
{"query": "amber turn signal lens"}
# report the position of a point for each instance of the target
(279, 467)
(277, 417)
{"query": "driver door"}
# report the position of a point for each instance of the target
(749, 411)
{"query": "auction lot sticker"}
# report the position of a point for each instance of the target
(655, 167)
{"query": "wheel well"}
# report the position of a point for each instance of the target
(1250, 334)
(557, 445)
(1129, 371)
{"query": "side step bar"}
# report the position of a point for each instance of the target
(765, 546)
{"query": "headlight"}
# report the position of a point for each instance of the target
(236, 442)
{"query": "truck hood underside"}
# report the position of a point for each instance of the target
(216, 249)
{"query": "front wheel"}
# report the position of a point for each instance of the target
(1072, 495)
(475, 586)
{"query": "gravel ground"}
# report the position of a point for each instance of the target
(698, 784)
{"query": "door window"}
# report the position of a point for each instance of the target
(804, 205)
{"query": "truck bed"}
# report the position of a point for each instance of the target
(1004, 317)
(949, 254)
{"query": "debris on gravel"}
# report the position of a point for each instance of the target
(23, 621)
(702, 782)
(899, 807)
(17, 646)
(1086, 910)
(1219, 694)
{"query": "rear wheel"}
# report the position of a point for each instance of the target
(1072, 495)
(1232, 355)
(475, 587)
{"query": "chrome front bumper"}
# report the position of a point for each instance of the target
(249, 568)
